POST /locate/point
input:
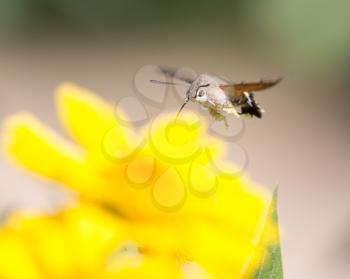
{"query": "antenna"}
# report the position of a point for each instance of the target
(164, 82)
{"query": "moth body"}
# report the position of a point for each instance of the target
(221, 96)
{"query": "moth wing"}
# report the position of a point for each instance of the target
(177, 74)
(236, 89)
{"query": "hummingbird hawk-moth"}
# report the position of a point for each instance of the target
(218, 95)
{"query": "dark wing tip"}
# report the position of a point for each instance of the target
(268, 83)
(277, 80)
(256, 86)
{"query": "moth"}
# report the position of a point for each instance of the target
(220, 96)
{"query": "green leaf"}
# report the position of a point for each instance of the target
(271, 263)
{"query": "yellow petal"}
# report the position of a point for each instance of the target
(15, 259)
(176, 141)
(223, 253)
(169, 236)
(169, 191)
(88, 118)
(140, 171)
(192, 270)
(202, 180)
(73, 243)
(39, 149)
(95, 234)
(137, 267)
(49, 243)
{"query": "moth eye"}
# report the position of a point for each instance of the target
(201, 93)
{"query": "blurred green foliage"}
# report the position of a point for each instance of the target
(312, 32)
(109, 15)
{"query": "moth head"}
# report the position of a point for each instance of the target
(199, 93)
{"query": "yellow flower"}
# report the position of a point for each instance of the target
(181, 201)
(82, 241)
(70, 244)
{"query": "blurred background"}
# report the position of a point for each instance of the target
(302, 143)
